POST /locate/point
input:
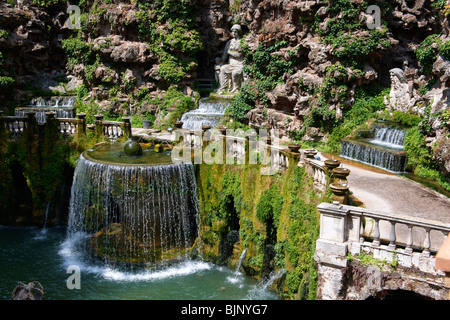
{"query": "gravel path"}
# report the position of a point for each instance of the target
(383, 191)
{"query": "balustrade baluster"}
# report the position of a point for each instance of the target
(392, 236)
(376, 233)
(426, 243)
(409, 240)
(361, 230)
(316, 174)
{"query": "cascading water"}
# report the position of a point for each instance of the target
(384, 150)
(134, 213)
(392, 137)
(63, 107)
(207, 114)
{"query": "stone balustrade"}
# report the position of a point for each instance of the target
(411, 241)
(14, 125)
(279, 158)
(110, 130)
(317, 170)
(68, 127)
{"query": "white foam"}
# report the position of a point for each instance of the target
(182, 269)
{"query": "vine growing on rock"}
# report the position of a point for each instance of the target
(168, 27)
(265, 68)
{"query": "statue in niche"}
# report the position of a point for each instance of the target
(231, 75)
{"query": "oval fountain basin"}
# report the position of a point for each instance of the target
(136, 209)
(113, 153)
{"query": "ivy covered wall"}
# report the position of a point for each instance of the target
(274, 217)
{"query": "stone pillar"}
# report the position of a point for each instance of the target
(126, 128)
(223, 142)
(2, 125)
(81, 125)
(331, 250)
(52, 125)
(98, 126)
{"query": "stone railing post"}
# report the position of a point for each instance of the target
(52, 125)
(331, 247)
(127, 128)
(2, 125)
(81, 125)
(98, 126)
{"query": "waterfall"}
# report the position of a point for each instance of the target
(207, 114)
(378, 157)
(383, 150)
(389, 136)
(134, 213)
(63, 107)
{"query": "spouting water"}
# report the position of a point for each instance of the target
(43, 231)
(241, 259)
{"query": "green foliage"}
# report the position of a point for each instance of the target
(89, 108)
(415, 145)
(46, 3)
(350, 47)
(175, 102)
(168, 27)
(266, 70)
(402, 118)
(6, 82)
(243, 102)
(230, 199)
(4, 34)
(427, 51)
(268, 210)
(349, 36)
(78, 51)
(302, 234)
(368, 101)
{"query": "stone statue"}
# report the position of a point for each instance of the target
(231, 75)
(402, 96)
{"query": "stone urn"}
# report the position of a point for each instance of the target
(222, 130)
(340, 191)
(132, 148)
(310, 153)
(205, 128)
(178, 124)
(331, 164)
(341, 173)
(294, 147)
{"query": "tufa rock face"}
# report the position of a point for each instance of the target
(30, 291)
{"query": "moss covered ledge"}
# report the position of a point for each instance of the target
(274, 217)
